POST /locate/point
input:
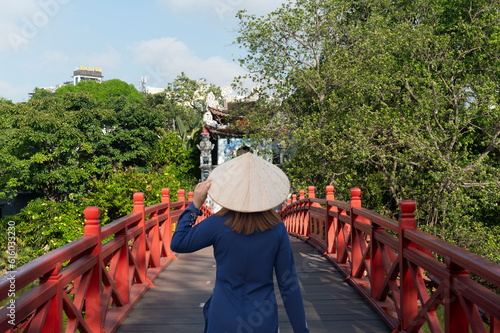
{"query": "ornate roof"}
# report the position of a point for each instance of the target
(219, 112)
(223, 133)
(227, 124)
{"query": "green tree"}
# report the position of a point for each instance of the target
(55, 145)
(5, 101)
(400, 99)
(106, 91)
(44, 225)
(44, 149)
(184, 90)
(40, 93)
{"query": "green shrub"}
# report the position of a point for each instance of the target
(44, 225)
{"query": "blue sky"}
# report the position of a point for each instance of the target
(42, 41)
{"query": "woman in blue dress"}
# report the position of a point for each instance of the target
(250, 244)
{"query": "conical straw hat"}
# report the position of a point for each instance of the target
(248, 184)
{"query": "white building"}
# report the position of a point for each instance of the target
(84, 73)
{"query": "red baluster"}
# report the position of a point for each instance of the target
(358, 243)
(377, 270)
(295, 217)
(311, 190)
(182, 197)
(302, 213)
(122, 269)
(454, 312)
(494, 324)
(154, 239)
(141, 239)
(331, 222)
(307, 218)
(54, 320)
(408, 291)
(288, 222)
(93, 314)
(190, 197)
(282, 213)
(165, 195)
(343, 235)
(167, 225)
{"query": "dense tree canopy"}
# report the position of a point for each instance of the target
(90, 145)
(105, 91)
(55, 144)
(399, 98)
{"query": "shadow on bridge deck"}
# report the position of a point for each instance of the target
(175, 304)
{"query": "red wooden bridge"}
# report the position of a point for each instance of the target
(406, 280)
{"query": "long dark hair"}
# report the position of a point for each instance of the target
(248, 223)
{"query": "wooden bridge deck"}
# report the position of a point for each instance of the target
(175, 304)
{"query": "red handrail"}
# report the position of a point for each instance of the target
(404, 273)
(101, 281)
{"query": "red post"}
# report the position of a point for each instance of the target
(167, 225)
(331, 222)
(356, 251)
(343, 232)
(295, 222)
(182, 198)
(408, 290)
(141, 253)
(154, 235)
(307, 218)
(122, 269)
(54, 320)
(283, 206)
(494, 324)
(289, 218)
(377, 269)
(311, 194)
(190, 197)
(93, 314)
(302, 213)
(342, 237)
(454, 312)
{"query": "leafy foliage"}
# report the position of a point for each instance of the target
(400, 99)
(44, 225)
(104, 92)
(55, 144)
(171, 153)
(89, 145)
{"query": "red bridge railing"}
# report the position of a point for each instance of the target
(105, 272)
(404, 273)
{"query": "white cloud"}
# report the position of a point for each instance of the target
(22, 20)
(55, 61)
(47, 59)
(109, 60)
(11, 20)
(165, 58)
(223, 9)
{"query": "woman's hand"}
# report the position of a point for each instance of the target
(200, 193)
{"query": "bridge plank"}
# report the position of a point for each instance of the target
(175, 304)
